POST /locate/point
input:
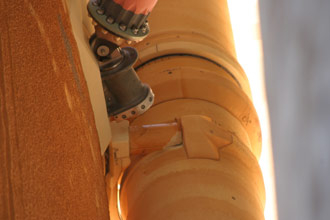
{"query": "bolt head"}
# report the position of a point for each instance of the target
(95, 3)
(110, 20)
(135, 31)
(122, 27)
(103, 51)
(145, 27)
(100, 11)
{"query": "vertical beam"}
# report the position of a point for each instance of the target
(50, 162)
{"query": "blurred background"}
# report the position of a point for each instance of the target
(284, 48)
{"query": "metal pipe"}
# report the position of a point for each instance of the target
(190, 63)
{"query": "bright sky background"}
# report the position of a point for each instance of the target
(246, 27)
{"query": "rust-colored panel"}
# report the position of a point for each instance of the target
(50, 162)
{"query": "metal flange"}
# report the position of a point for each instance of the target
(138, 109)
(126, 28)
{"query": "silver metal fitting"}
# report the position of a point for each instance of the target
(144, 28)
(110, 20)
(100, 11)
(103, 51)
(135, 31)
(122, 27)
